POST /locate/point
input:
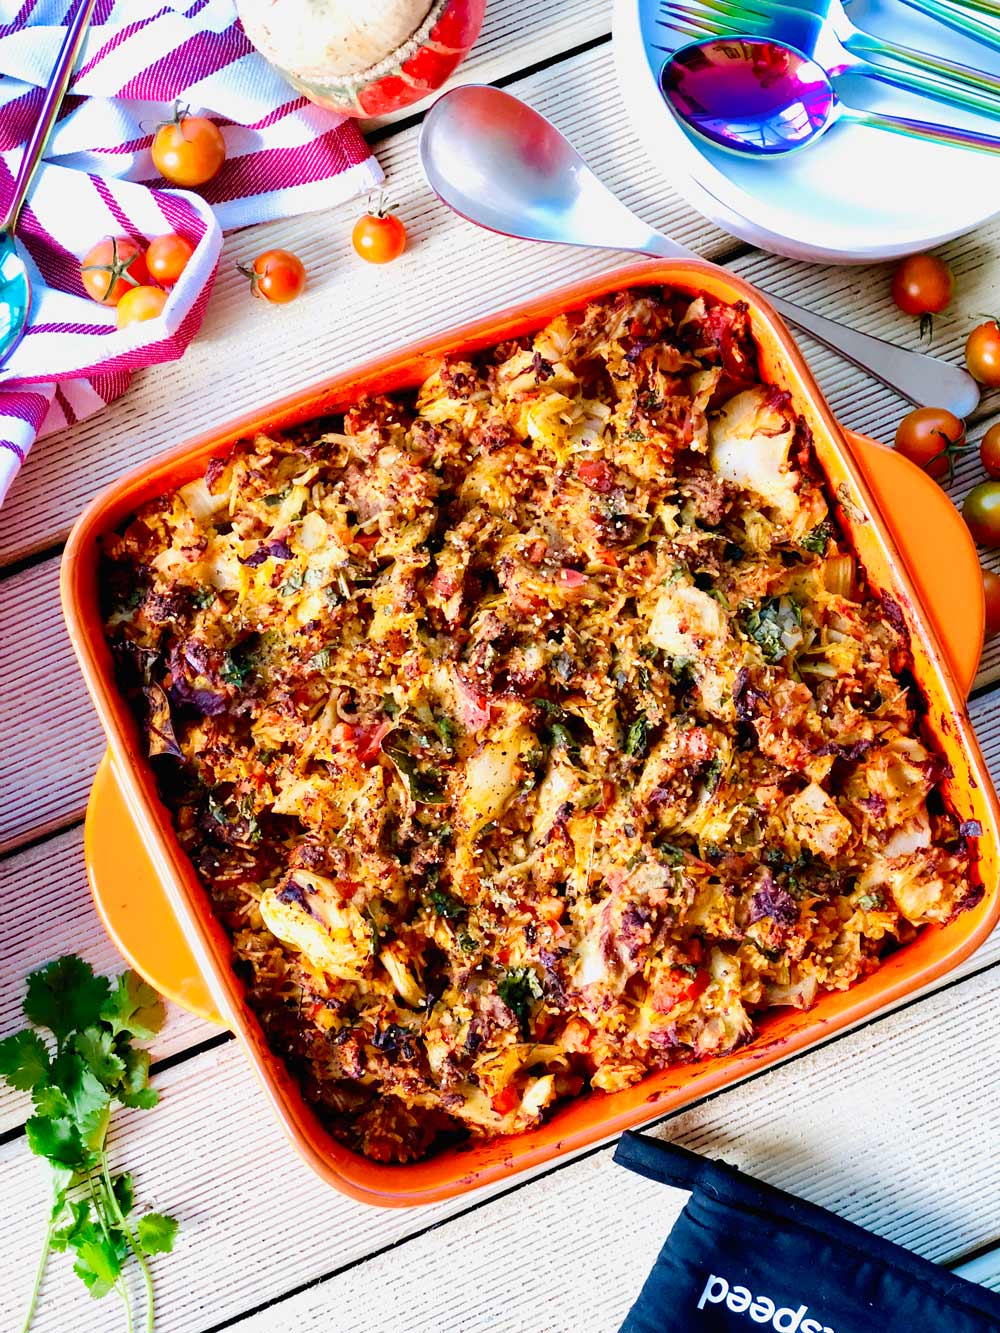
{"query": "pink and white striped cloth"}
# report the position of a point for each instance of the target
(283, 156)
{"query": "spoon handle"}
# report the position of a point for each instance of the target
(54, 93)
(925, 381)
(923, 129)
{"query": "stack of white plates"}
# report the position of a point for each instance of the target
(855, 195)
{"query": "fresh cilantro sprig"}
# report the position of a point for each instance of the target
(77, 1061)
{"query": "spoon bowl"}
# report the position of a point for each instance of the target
(763, 98)
(751, 96)
(499, 163)
(15, 296)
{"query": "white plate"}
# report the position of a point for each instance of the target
(858, 194)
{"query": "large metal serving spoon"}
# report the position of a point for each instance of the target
(499, 163)
(762, 98)
(15, 284)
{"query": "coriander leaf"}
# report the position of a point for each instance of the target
(519, 988)
(74, 1216)
(24, 1060)
(237, 667)
(96, 1047)
(65, 996)
(562, 739)
(50, 1101)
(446, 905)
(135, 1090)
(818, 539)
(155, 1233)
(59, 1140)
(424, 783)
(124, 1192)
(713, 775)
(98, 1261)
(637, 741)
(134, 1007)
(88, 1098)
(774, 625)
(871, 902)
(445, 729)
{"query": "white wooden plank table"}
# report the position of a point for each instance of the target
(890, 1125)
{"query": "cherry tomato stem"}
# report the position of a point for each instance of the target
(922, 285)
(379, 237)
(277, 276)
(188, 150)
(112, 267)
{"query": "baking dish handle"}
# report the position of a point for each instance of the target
(937, 548)
(131, 901)
(126, 887)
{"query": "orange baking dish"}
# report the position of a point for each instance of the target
(916, 550)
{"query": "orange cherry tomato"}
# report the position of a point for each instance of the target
(140, 304)
(989, 452)
(931, 437)
(277, 276)
(379, 237)
(982, 353)
(922, 285)
(167, 258)
(991, 589)
(113, 267)
(188, 150)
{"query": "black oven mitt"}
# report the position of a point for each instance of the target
(744, 1256)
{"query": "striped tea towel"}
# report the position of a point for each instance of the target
(283, 156)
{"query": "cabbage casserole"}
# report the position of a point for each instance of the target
(534, 731)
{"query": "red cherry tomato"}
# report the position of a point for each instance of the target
(140, 304)
(981, 512)
(506, 1100)
(931, 437)
(277, 276)
(113, 267)
(379, 237)
(678, 986)
(597, 474)
(922, 285)
(167, 258)
(991, 590)
(188, 150)
(989, 451)
(982, 353)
